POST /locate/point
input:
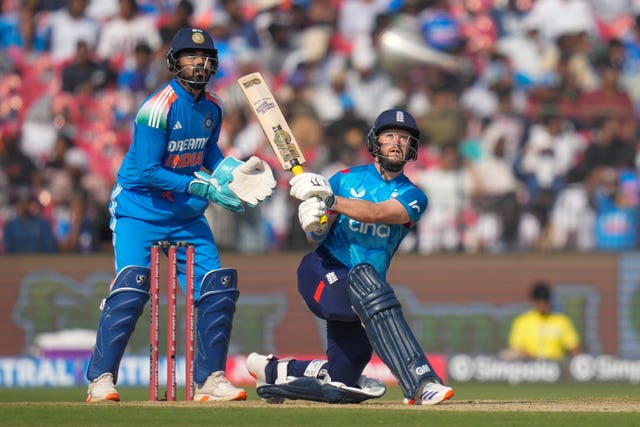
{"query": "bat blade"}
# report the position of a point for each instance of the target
(272, 121)
(273, 124)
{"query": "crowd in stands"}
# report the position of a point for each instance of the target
(528, 110)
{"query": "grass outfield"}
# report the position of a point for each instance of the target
(568, 405)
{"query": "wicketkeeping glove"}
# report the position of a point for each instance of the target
(204, 185)
(307, 185)
(252, 181)
(309, 213)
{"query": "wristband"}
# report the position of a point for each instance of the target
(330, 201)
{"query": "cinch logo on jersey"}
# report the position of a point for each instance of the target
(376, 230)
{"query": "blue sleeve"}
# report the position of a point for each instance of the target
(213, 155)
(335, 181)
(415, 202)
(151, 144)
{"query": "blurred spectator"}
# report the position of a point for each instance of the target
(630, 78)
(84, 74)
(439, 28)
(572, 217)
(277, 44)
(449, 186)
(141, 76)
(555, 18)
(19, 29)
(497, 200)
(177, 18)
(18, 168)
(69, 26)
(550, 151)
(541, 333)
(28, 231)
(344, 141)
(121, 34)
(606, 147)
(526, 51)
(444, 123)
(356, 18)
(608, 98)
(508, 125)
(369, 87)
(76, 214)
(616, 205)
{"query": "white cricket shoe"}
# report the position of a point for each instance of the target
(102, 389)
(432, 393)
(257, 368)
(218, 388)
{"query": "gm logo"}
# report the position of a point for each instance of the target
(421, 370)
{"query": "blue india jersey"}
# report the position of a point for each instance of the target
(174, 136)
(352, 242)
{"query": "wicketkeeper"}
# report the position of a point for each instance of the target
(371, 208)
(161, 194)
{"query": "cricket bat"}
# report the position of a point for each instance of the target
(273, 124)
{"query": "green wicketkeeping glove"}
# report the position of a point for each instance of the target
(207, 186)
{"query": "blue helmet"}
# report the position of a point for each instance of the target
(394, 118)
(191, 39)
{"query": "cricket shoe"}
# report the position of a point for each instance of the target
(257, 367)
(102, 389)
(432, 393)
(218, 388)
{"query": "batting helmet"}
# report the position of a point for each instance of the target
(394, 118)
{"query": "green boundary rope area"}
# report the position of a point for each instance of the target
(475, 404)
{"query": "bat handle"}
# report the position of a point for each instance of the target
(297, 170)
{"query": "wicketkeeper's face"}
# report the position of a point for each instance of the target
(196, 66)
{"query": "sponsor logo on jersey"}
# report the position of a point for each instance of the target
(376, 230)
(178, 125)
(184, 160)
(414, 205)
(188, 144)
(357, 194)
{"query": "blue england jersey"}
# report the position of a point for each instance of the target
(352, 242)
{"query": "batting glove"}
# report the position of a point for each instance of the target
(309, 213)
(307, 185)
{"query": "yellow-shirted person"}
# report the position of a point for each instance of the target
(540, 333)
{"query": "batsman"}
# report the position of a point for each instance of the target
(171, 172)
(343, 280)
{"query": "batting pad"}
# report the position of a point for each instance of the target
(307, 388)
(381, 315)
